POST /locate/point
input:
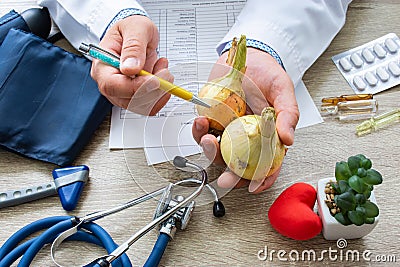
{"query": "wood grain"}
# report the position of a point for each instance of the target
(120, 175)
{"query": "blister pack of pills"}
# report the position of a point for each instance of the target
(373, 67)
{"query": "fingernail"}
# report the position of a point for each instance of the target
(254, 185)
(199, 126)
(130, 63)
(208, 146)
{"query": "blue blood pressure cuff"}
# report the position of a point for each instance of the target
(49, 105)
(11, 20)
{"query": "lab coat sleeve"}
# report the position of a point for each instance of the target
(298, 30)
(85, 20)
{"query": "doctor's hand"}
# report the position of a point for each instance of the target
(265, 84)
(135, 40)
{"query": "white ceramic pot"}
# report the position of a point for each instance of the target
(331, 228)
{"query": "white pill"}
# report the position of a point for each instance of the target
(382, 74)
(394, 68)
(367, 55)
(359, 83)
(379, 51)
(371, 78)
(356, 60)
(345, 64)
(391, 45)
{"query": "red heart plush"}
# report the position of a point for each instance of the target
(292, 213)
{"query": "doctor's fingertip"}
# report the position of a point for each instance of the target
(254, 185)
(230, 180)
(199, 125)
(290, 136)
(208, 146)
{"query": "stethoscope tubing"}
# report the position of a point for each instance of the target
(10, 251)
(27, 230)
(158, 250)
(11, 257)
(43, 239)
(57, 225)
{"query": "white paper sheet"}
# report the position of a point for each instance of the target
(155, 155)
(309, 114)
(189, 32)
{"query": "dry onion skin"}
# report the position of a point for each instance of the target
(225, 94)
(250, 146)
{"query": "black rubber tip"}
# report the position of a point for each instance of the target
(38, 21)
(180, 162)
(218, 209)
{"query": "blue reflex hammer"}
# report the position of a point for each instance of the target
(68, 184)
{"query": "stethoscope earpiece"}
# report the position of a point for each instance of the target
(218, 209)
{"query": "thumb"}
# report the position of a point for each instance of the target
(135, 42)
(133, 55)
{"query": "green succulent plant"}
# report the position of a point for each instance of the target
(355, 180)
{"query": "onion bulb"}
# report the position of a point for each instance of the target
(250, 145)
(225, 94)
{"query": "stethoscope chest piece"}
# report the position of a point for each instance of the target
(181, 218)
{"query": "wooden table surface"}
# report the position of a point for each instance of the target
(234, 240)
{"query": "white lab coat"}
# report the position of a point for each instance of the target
(298, 30)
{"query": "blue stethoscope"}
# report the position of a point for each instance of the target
(172, 211)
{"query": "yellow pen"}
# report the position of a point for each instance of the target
(113, 60)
